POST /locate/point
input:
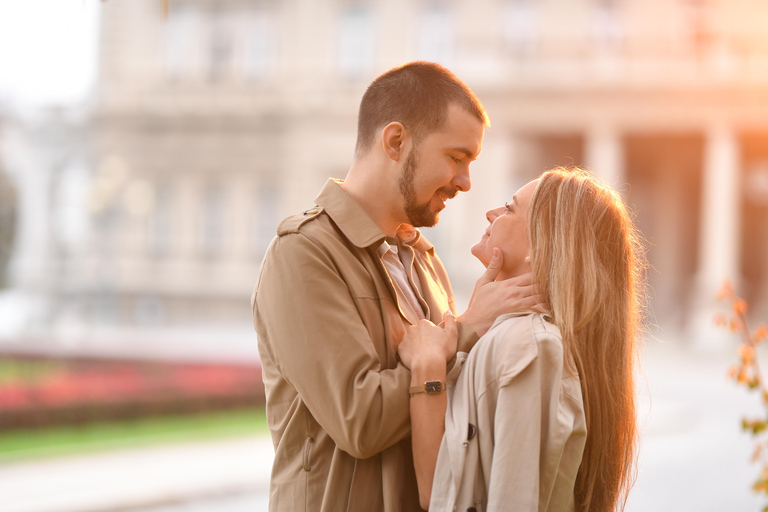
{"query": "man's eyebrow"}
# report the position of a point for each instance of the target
(467, 152)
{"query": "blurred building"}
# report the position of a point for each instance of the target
(211, 125)
(7, 223)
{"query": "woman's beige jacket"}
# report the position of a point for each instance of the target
(515, 427)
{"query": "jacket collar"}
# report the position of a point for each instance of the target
(546, 315)
(348, 215)
(357, 225)
(409, 235)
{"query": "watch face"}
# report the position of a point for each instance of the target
(433, 386)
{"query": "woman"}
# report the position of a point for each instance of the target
(542, 413)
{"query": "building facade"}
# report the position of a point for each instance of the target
(213, 122)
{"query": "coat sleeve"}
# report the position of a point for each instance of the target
(322, 348)
(467, 337)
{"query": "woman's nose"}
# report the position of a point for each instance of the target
(492, 214)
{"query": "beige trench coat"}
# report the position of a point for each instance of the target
(328, 323)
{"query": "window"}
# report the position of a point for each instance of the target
(607, 29)
(212, 222)
(520, 26)
(182, 41)
(259, 40)
(71, 220)
(265, 215)
(698, 29)
(219, 45)
(356, 41)
(160, 223)
(436, 36)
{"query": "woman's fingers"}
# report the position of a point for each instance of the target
(449, 322)
(427, 342)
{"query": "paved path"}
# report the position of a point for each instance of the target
(694, 457)
(139, 478)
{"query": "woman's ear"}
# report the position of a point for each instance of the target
(392, 140)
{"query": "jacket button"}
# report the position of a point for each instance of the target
(471, 432)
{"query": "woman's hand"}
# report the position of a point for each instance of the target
(426, 344)
(425, 349)
(492, 298)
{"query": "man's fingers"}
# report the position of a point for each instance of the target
(493, 268)
(521, 280)
(516, 291)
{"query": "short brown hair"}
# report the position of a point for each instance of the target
(417, 95)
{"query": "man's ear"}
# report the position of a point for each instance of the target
(392, 140)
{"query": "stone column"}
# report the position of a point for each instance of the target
(604, 154)
(719, 243)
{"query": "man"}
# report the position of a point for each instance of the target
(343, 281)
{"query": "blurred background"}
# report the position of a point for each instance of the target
(148, 150)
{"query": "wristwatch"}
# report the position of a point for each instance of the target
(431, 387)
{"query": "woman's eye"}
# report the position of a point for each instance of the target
(507, 207)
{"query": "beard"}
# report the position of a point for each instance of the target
(419, 215)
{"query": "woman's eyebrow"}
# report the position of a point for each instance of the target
(514, 200)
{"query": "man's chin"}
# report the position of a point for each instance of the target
(424, 219)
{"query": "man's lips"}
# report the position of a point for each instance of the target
(444, 195)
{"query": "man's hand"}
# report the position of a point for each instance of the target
(426, 345)
(492, 298)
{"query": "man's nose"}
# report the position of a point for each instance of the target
(461, 181)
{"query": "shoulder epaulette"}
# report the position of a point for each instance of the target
(294, 222)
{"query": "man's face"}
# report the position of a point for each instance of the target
(438, 168)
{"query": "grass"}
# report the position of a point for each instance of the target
(71, 440)
(14, 370)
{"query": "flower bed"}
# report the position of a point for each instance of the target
(39, 392)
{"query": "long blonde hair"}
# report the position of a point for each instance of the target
(588, 259)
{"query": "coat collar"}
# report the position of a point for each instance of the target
(348, 215)
(356, 224)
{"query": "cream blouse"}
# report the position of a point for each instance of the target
(514, 427)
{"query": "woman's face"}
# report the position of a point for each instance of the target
(509, 232)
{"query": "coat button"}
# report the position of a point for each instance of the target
(471, 432)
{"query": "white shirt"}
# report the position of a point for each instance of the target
(410, 295)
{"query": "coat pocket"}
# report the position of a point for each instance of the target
(307, 458)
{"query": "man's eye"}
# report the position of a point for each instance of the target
(457, 160)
